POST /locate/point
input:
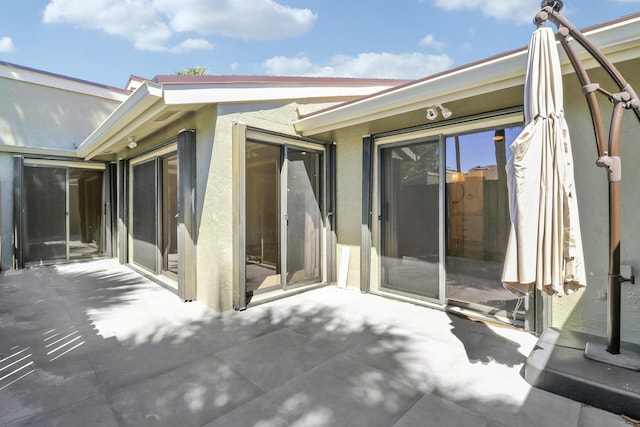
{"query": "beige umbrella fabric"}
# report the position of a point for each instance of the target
(545, 245)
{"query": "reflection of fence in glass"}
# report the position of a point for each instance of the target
(477, 197)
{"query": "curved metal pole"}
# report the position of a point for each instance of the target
(609, 156)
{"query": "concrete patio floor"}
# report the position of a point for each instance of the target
(96, 344)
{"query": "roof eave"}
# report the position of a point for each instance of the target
(138, 102)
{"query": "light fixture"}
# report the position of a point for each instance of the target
(132, 142)
(446, 113)
(432, 112)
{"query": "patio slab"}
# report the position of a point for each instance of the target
(98, 344)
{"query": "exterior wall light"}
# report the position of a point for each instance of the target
(132, 142)
(432, 112)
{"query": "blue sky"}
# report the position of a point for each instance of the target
(106, 41)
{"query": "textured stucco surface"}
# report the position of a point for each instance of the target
(587, 310)
(215, 153)
(349, 200)
(37, 116)
(44, 117)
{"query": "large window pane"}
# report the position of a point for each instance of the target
(86, 233)
(263, 163)
(410, 219)
(170, 213)
(144, 215)
(303, 216)
(45, 207)
(478, 217)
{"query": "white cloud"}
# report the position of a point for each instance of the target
(430, 41)
(192, 44)
(521, 11)
(243, 19)
(154, 24)
(371, 65)
(6, 44)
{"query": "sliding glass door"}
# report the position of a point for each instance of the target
(45, 213)
(409, 214)
(62, 211)
(154, 213)
(283, 216)
(443, 220)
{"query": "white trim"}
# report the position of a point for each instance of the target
(26, 75)
(233, 93)
(65, 163)
(453, 129)
(21, 149)
(107, 134)
(161, 152)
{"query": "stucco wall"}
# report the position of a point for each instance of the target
(586, 311)
(34, 116)
(349, 203)
(215, 173)
(44, 117)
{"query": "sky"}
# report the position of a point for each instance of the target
(107, 41)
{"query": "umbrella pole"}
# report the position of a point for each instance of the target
(615, 279)
(609, 157)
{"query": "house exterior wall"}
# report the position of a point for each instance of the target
(216, 209)
(44, 117)
(44, 120)
(586, 311)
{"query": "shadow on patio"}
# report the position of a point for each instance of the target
(97, 344)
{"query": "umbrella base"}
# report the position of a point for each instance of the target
(558, 365)
(625, 359)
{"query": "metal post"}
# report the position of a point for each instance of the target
(615, 176)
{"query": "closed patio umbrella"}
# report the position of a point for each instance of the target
(545, 245)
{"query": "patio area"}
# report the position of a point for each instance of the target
(97, 344)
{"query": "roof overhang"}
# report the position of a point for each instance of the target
(57, 81)
(618, 40)
(151, 105)
(144, 103)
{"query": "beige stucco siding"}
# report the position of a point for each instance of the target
(44, 117)
(586, 311)
(215, 175)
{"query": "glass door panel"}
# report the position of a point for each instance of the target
(263, 266)
(86, 232)
(304, 218)
(170, 214)
(410, 206)
(45, 211)
(144, 215)
(478, 219)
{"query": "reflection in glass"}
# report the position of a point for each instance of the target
(303, 216)
(170, 214)
(86, 233)
(263, 163)
(410, 229)
(45, 213)
(478, 217)
(63, 213)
